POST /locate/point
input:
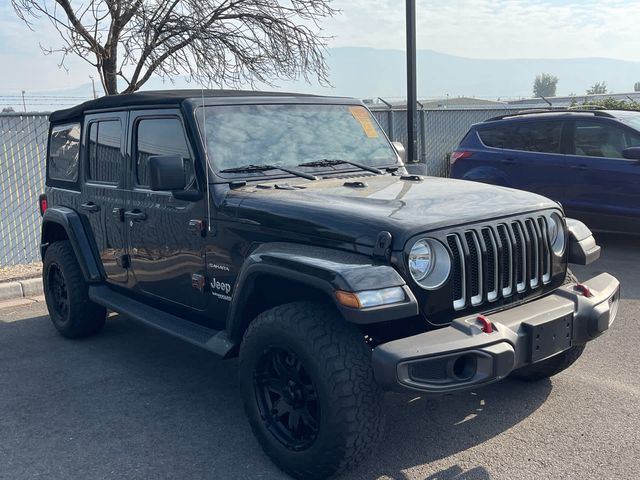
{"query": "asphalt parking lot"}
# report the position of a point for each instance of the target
(133, 403)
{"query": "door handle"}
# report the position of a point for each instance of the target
(90, 207)
(579, 167)
(135, 215)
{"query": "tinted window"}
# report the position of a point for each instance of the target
(105, 155)
(602, 140)
(64, 147)
(531, 137)
(160, 136)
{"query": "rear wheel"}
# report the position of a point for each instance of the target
(308, 390)
(66, 292)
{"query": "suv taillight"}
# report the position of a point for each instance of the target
(42, 202)
(455, 156)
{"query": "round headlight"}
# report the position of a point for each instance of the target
(429, 263)
(420, 260)
(555, 228)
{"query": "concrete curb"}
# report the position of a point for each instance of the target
(31, 287)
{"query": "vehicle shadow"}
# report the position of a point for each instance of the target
(135, 403)
(423, 430)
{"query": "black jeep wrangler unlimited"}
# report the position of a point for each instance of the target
(284, 229)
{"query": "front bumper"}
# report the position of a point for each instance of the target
(464, 356)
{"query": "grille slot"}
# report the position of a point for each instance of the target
(493, 262)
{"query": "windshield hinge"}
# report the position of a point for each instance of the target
(382, 248)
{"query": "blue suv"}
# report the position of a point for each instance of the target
(588, 160)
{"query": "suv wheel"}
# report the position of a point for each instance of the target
(556, 364)
(66, 294)
(308, 389)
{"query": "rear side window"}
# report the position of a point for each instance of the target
(105, 152)
(64, 148)
(530, 137)
(160, 136)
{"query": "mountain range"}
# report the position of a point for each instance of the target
(372, 73)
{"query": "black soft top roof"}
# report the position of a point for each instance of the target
(156, 97)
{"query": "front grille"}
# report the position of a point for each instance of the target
(498, 261)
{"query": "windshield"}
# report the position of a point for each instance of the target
(288, 135)
(632, 119)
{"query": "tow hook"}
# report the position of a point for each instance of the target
(487, 327)
(584, 290)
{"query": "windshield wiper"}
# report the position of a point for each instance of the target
(264, 168)
(330, 163)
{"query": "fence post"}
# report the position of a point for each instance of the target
(423, 136)
(391, 132)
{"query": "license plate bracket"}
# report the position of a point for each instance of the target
(549, 338)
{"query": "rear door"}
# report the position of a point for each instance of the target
(531, 153)
(605, 192)
(165, 252)
(103, 194)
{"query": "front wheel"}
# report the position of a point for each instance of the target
(308, 389)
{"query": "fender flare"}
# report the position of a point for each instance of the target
(71, 222)
(325, 270)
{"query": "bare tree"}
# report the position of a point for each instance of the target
(221, 42)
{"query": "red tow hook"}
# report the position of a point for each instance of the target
(486, 324)
(584, 290)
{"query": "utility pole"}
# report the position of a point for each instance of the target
(412, 84)
(24, 105)
(93, 84)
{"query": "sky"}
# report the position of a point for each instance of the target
(484, 29)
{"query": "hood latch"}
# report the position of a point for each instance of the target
(382, 248)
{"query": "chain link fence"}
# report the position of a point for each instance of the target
(439, 131)
(23, 140)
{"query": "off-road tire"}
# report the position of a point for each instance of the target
(338, 362)
(80, 317)
(556, 364)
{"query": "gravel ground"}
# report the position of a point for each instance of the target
(133, 403)
(20, 272)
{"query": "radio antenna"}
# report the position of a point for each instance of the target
(206, 158)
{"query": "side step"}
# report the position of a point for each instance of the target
(213, 340)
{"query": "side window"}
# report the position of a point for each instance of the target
(64, 148)
(105, 159)
(161, 136)
(531, 137)
(602, 140)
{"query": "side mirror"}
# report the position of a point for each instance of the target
(166, 173)
(631, 153)
(401, 151)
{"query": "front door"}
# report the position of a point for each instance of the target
(167, 254)
(103, 193)
(604, 190)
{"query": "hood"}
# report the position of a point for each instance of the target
(334, 210)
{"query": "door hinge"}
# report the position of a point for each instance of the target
(124, 261)
(198, 281)
(198, 227)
